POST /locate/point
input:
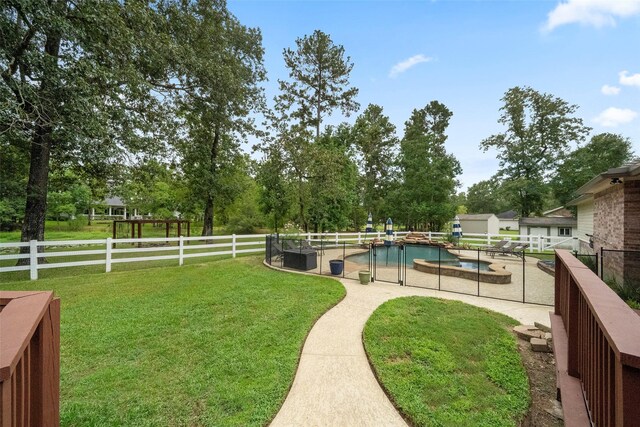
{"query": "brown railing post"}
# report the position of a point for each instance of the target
(571, 325)
(29, 359)
(597, 346)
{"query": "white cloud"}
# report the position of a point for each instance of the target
(597, 13)
(403, 66)
(610, 90)
(612, 117)
(629, 80)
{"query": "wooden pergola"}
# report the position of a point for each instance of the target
(140, 222)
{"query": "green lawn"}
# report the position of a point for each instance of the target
(445, 363)
(206, 344)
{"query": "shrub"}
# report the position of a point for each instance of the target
(627, 290)
(76, 224)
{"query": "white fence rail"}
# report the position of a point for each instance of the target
(173, 248)
(181, 248)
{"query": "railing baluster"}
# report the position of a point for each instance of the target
(602, 347)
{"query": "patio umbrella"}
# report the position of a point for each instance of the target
(369, 223)
(457, 229)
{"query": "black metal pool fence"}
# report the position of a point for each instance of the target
(460, 270)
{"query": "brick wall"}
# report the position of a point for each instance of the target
(609, 228)
(632, 231)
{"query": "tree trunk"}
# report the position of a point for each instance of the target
(301, 205)
(207, 228)
(36, 207)
(38, 184)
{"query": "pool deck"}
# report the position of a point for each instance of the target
(528, 282)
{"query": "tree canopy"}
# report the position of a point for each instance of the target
(319, 74)
(540, 128)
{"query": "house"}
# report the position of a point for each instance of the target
(559, 212)
(548, 226)
(114, 208)
(609, 218)
(479, 223)
(508, 220)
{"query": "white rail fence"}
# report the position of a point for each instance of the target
(181, 248)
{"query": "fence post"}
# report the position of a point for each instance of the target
(181, 250)
(378, 235)
(336, 238)
(107, 262)
(233, 246)
(309, 236)
(488, 239)
(541, 241)
(359, 237)
(33, 259)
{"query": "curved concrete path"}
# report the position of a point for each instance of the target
(334, 385)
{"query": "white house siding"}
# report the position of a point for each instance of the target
(493, 225)
(585, 219)
(473, 226)
(484, 225)
(511, 224)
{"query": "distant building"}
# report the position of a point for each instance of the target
(114, 208)
(548, 226)
(508, 220)
(559, 212)
(479, 223)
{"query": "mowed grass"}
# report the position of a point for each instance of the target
(212, 344)
(445, 363)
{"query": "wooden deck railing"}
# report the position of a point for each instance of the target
(29, 359)
(596, 340)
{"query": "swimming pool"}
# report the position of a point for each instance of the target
(387, 256)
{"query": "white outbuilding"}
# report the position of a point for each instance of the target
(479, 223)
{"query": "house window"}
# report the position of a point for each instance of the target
(564, 232)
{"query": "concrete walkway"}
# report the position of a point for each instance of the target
(334, 385)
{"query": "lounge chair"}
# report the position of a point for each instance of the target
(516, 249)
(276, 251)
(498, 246)
(291, 245)
(519, 250)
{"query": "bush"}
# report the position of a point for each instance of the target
(589, 261)
(77, 224)
(627, 290)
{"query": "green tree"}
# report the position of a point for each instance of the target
(74, 75)
(216, 95)
(487, 197)
(14, 169)
(333, 182)
(376, 143)
(604, 151)
(244, 214)
(319, 74)
(428, 173)
(274, 188)
(61, 205)
(539, 129)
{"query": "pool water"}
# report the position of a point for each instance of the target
(388, 257)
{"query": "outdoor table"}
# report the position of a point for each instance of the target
(301, 259)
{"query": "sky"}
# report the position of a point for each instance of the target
(467, 54)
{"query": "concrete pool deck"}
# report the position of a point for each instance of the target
(334, 384)
(530, 283)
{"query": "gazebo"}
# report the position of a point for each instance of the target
(137, 223)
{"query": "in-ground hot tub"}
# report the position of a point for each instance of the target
(437, 260)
